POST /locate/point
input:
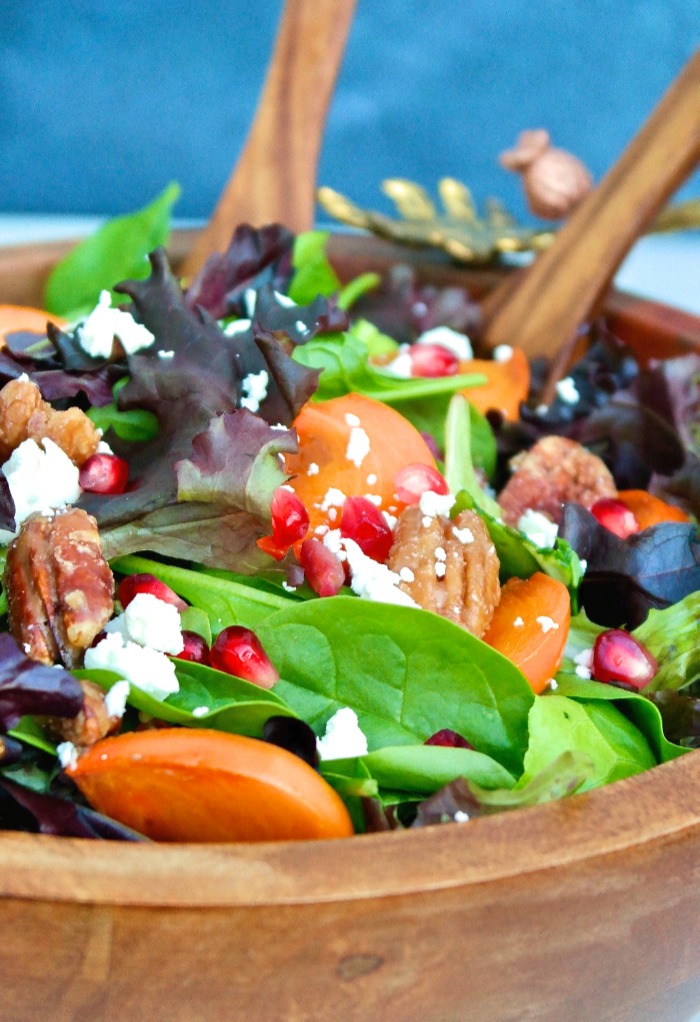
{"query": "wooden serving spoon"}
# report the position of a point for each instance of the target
(275, 177)
(541, 307)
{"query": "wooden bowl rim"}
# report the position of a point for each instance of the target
(650, 809)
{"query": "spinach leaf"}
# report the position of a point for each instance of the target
(116, 251)
(459, 468)
(640, 710)
(225, 602)
(597, 729)
(405, 672)
(135, 424)
(232, 704)
(563, 776)
(671, 636)
(28, 731)
(313, 274)
(424, 769)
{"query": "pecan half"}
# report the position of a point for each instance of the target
(25, 415)
(553, 471)
(91, 724)
(449, 567)
(60, 590)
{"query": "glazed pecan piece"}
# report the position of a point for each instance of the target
(449, 567)
(553, 471)
(60, 590)
(91, 724)
(25, 415)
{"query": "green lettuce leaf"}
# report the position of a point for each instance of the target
(672, 636)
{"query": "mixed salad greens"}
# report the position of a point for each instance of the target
(444, 725)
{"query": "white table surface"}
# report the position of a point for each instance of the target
(664, 267)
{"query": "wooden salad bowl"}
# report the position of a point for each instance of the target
(583, 910)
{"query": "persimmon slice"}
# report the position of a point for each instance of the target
(190, 784)
(650, 510)
(507, 384)
(17, 318)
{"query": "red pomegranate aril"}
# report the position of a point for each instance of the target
(104, 473)
(324, 572)
(132, 585)
(364, 523)
(619, 657)
(432, 360)
(413, 481)
(196, 648)
(615, 516)
(290, 519)
(238, 651)
(449, 739)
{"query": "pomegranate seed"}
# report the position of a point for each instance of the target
(413, 481)
(324, 572)
(238, 651)
(449, 739)
(196, 649)
(619, 657)
(433, 360)
(130, 586)
(366, 525)
(290, 523)
(615, 516)
(104, 473)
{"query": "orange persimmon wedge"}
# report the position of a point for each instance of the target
(322, 464)
(16, 318)
(189, 784)
(650, 510)
(530, 626)
(508, 383)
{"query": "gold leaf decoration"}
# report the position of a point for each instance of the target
(458, 229)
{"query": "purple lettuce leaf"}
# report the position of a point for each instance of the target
(671, 388)
(54, 382)
(7, 505)
(28, 687)
(680, 713)
(299, 322)
(682, 488)
(626, 578)
(252, 258)
(27, 810)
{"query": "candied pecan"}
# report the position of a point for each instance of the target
(25, 415)
(91, 724)
(59, 586)
(553, 471)
(453, 563)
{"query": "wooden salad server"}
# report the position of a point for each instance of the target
(275, 177)
(541, 307)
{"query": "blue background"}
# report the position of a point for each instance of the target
(101, 105)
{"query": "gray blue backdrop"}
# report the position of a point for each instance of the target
(102, 104)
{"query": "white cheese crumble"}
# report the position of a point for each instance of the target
(40, 480)
(200, 711)
(116, 697)
(440, 569)
(464, 536)
(583, 672)
(343, 736)
(432, 504)
(553, 685)
(358, 445)
(254, 387)
(312, 470)
(301, 326)
(406, 575)
(96, 334)
(147, 669)
(440, 554)
(237, 326)
(546, 623)
(584, 658)
(518, 623)
(538, 528)
(104, 448)
(390, 520)
(460, 816)
(502, 353)
(371, 479)
(352, 420)
(401, 366)
(333, 498)
(166, 354)
(567, 392)
(459, 344)
(368, 579)
(155, 623)
(287, 588)
(67, 755)
(373, 498)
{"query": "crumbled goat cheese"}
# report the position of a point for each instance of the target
(460, 816)
(301, 326)
(371, 479)
(553, 685)
(368, 579)
(237, 326)
(464, 536)
(104, 448)
(566, 391)
(538, 528)
(426, 521)
(373, 498)
(433, 504)
(502, 353)
(96, 334)
(155, 623)
(67, 755)
(312, 470)
(518, 623)
(584, 658)
(406, 575)
(287, 588)
(440, 554)
(333, 498)
(546, 623)
(358, 446)
(284, 300)
(281, 426)
(200, 711)
(321, 530)
(116, 697)
(440, 569)
(401, 366)
(446, 337)
(343, 737)
(147, 669)
(39, 480)
(390, 520)
(254, 387)
(583, 672)
(352, 420)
